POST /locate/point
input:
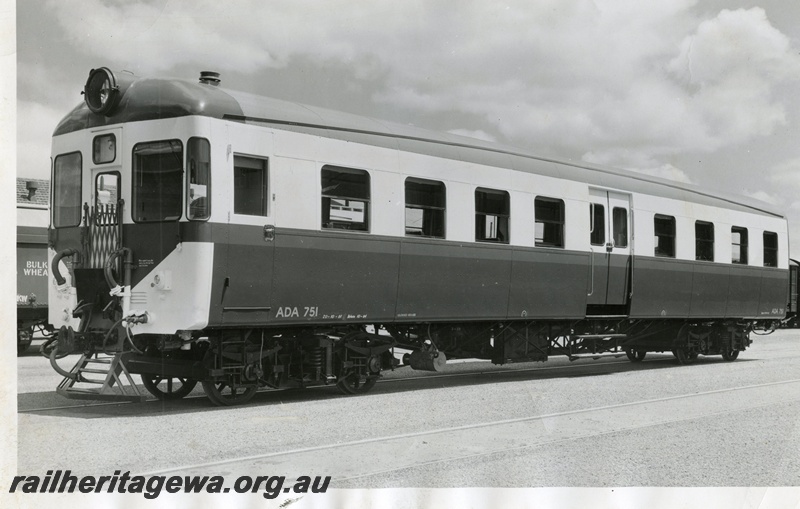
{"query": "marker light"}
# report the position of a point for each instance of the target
(101, 92)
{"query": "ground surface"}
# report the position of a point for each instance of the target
(601, 423)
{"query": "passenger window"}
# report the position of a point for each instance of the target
(620, 225)
(704, 241)
(345, 198)
(67, 190)
(739, 245)
(157, 181)
(198, 174)
(770, 249)
(425, 208)
(549, 222)
(491, 215)
(664, 229)
(597, 224)
(250, 186)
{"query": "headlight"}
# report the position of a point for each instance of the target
(101, 92)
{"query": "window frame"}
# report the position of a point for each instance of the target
(700, 241)
(104, 214)
(503, 217)
(135, 188)
(744, 245)
(593, 223)
(559, 222)
(772, 250)
(95, 142)
(433, 210)
(263, 167)
(56, 187)
(666, 220)
(614, 224)
(188, 185)
(363, 226)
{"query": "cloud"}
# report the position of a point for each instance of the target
(763, 196)
(728, 69)
(560, 76)
(35, 124)
(786, 175)
(154, 36)
(636, 161)
(480, 135)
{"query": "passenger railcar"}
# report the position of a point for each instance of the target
(203, 234)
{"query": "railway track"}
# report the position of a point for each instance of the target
(357, 460)
(606, 423)
(420, 377)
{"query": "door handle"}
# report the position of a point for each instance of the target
(269, 233)
(609, 246)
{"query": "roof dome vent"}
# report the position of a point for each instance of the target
(209, 78)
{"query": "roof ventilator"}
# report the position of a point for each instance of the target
(209, 78)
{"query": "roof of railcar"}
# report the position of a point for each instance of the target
(151, 98)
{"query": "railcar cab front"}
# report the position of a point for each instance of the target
(162, 240)
(130, 227)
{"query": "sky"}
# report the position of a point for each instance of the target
(699, 91)
(703, 92)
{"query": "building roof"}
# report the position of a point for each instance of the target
(33, 191)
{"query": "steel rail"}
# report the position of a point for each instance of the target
(381, 381)
(274, 456)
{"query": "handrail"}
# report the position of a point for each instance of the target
(56, 260)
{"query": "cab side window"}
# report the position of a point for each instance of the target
(198, 175)
(250, 186)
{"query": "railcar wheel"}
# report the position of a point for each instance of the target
(24, 339)
(353, 384)
(635, 355)
(225, 394)
(685, 355)
(730, 355)
(168, 388)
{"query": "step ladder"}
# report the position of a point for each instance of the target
(101, 377)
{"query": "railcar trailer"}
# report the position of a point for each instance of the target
(32, 259)
(203, 234)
